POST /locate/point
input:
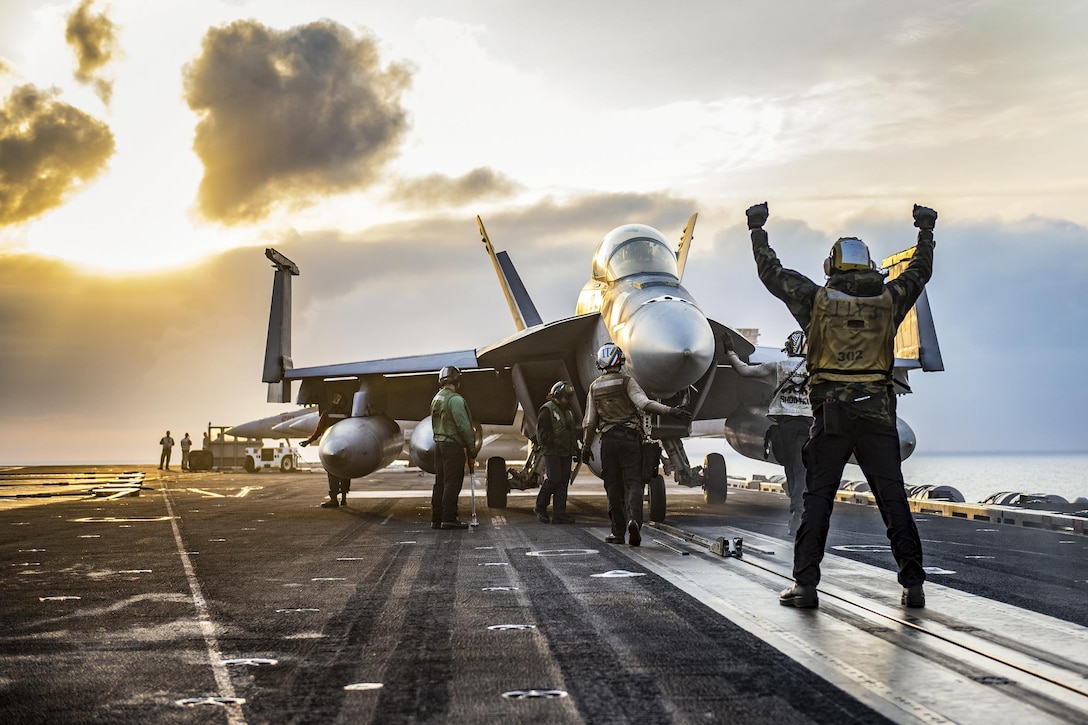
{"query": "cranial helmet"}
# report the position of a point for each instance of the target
(848, 253)
(448, 374)
(562, 389)
(610, 357)
(795, 343)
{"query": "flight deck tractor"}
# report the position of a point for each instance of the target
(281, 458)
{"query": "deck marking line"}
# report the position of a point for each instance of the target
(235, 716)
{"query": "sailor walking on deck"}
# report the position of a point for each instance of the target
(615, 406)
(558, 436)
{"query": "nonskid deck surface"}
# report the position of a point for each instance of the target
(221, 597)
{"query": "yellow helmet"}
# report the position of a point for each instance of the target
(847, 254)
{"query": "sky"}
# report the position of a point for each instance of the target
(150, 152)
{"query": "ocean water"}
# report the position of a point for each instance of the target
(975, 475)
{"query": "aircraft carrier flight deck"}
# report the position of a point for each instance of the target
(133, 595)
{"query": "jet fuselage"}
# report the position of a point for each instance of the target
(645, 310)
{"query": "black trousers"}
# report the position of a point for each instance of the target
(557, 472)
(621, 469)
(876, 448)
(449, 477)
(338, 485)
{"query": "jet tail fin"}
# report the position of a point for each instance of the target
(685, 245)
(277, 349)
(517, 297)
(916, 338)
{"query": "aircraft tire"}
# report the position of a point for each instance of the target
(250, 465)
(715, 483)
(497, 484)
(287, 464)
(657, 498)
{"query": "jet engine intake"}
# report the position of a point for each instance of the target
(356, 447)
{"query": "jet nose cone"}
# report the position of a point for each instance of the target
(670, 346)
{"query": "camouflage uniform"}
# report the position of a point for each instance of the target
(851, 417)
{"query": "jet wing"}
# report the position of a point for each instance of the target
(464, 359)
(405, 386)
(544, 342)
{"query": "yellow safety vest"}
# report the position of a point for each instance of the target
(851, 339)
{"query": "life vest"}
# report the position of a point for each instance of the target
(851, 339)
(564, 435)
(443, 421)
(614, 406)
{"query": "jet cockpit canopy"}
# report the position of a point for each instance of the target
(633, 249)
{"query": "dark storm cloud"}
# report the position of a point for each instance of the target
(287, 116)
(47, 149)
(440, 190)
(93, 38)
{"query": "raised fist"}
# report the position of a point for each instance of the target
(757, 215)
(924, 217)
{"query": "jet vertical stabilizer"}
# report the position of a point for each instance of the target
(277, 349)
(517, 297)
(916, 338)
(685, 246)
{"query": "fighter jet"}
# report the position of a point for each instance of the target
(634, 298)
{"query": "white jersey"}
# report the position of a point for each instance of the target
(791, 382)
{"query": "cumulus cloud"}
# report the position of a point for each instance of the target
(441, 190)
(93, 38)
(287, 116)
(47, 149)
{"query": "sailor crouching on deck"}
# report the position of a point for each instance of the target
(851, 323)
(615, 405)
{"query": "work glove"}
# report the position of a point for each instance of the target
(924, 217)
(727, 343)
(680, 413)
(587, 454)
(757, 215)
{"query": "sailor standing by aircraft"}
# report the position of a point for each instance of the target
(167, 444)
(615, 406)
(186, 445)
(851, 323)
(338, 485)
(454, 444)
(558, 437)
(789, 409)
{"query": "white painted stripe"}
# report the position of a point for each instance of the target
(235, 716)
